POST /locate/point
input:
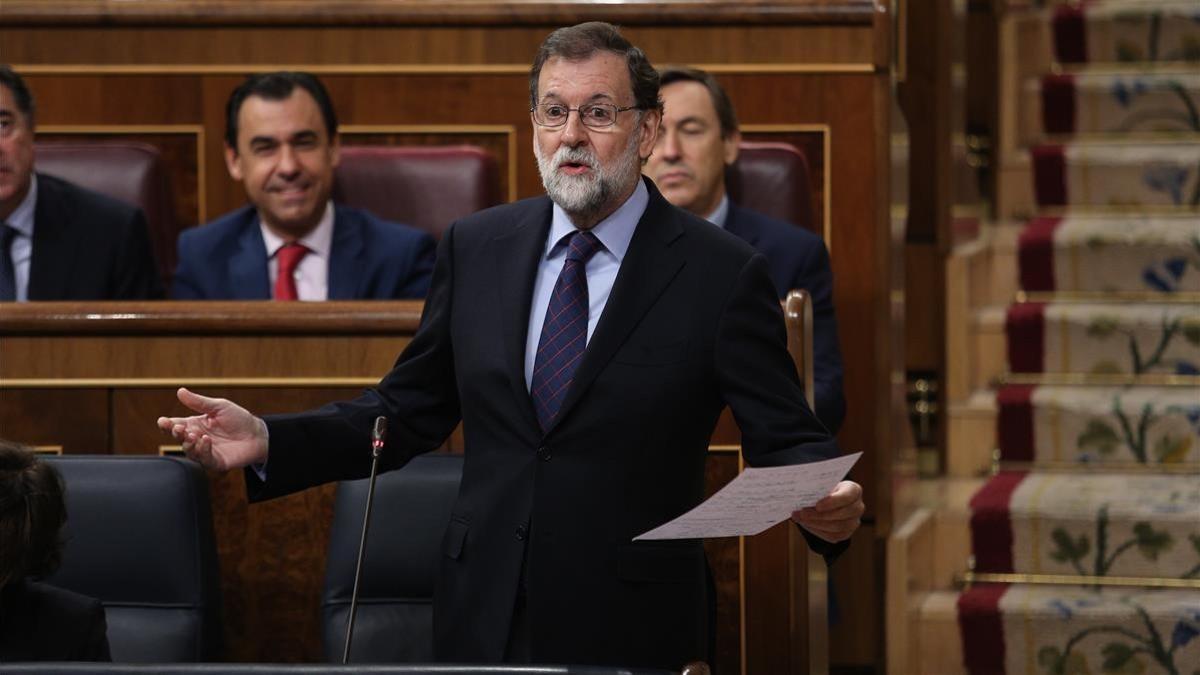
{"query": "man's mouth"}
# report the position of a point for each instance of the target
(673, 176)
(290, 191)
(574, 168)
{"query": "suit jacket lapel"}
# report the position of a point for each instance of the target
(54, 250)
(248, 264)
(516, 255)
(344, 253)
(649, 266)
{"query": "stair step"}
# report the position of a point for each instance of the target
(1126, 32)
(1131, 253)
(1111, 103)
(1069, 629)
(1104, 339)
(1118, 174)
(1101, 524)
(1025, 628)
(1098, 425)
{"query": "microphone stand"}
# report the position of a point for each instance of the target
(377, 437)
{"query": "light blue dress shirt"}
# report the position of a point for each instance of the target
(721, 213)
(21, 251)
(615, 233)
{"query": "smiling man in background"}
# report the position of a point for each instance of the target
(292, 242)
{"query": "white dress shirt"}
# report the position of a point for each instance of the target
(312, 272)
(21, 249)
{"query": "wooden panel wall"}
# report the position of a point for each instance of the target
(813, 72)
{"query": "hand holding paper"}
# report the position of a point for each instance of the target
(761, 497)
(835, 517)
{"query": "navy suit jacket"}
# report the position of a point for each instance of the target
(692, 325)
(797, 259)
(89, 246)
(369, 259)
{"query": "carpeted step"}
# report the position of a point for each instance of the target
(1124, 175)
(1104, 339)
(1127, 31)
(1112, 103)
(1099, 425)
(1138, 525)
(1156, 254)
(1009, 629)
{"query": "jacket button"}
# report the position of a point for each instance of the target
(522, 532)
(543, 453)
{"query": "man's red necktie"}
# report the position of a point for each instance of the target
(288, 257)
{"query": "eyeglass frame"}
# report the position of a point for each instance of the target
(578, 111)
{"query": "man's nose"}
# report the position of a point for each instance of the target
(669, 145)
(573, 132)
(289, 163)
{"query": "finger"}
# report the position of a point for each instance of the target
(204, 449)
(194, 450)
(194, 401)
(848, 512)
(845, 492)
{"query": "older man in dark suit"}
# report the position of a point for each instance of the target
(59, 241)
(588, 341)
(699, 139)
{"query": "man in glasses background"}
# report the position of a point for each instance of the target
(588, 341)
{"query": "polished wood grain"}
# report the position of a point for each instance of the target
(334, 317)
(77, 420)
(434, 12)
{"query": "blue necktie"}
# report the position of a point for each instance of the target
(564, 333)
(8, 277)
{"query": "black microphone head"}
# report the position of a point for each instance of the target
(379, 433)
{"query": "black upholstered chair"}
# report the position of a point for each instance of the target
(132, 172)
(139, 538)
(773, 178)
(395, 601)
(426, 187)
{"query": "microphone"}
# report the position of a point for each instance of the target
(378, 435)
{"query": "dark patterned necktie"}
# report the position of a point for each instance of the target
(8, 275)
(564, 333)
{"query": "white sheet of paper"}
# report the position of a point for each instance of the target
(756, 500)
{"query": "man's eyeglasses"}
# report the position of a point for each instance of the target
(592, 115)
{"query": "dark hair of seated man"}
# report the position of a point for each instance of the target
(39, 622)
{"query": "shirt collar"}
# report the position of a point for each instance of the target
(21, 219)
(615, 231)
(721, 213)
(318, 242)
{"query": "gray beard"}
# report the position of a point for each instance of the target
(585, 197)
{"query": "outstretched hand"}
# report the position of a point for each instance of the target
(223, 436)
(835, 517)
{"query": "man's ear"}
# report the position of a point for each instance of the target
(731, 143)
(233, 162)
(650, 125)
